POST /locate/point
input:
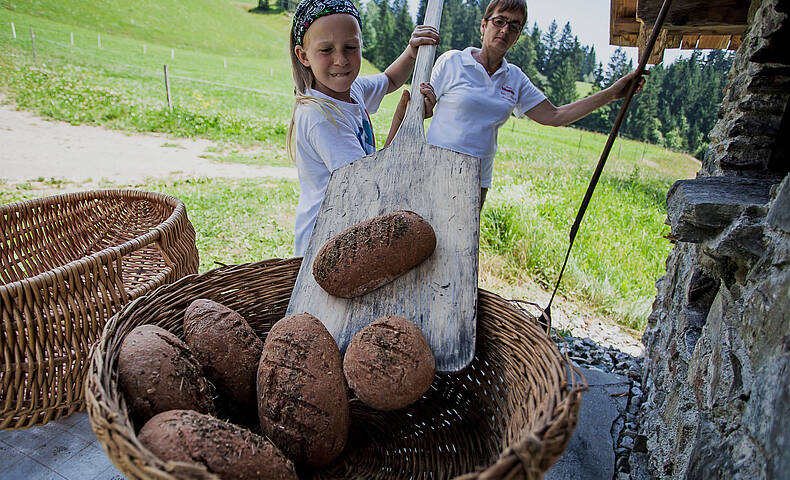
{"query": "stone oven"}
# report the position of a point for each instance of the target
(717, 360)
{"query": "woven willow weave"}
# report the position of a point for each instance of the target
(508, 416)
(67, 264)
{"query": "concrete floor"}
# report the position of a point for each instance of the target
(65, 449)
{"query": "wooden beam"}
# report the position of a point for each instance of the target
(657, 55)
(697, 13)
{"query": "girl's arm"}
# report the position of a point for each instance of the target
(398, 72)
(546, 113)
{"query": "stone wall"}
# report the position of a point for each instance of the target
(717, 366)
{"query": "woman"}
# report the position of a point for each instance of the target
(477, 91)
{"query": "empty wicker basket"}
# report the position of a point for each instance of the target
(508, 416)
(67, 264)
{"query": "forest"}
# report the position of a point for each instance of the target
(676, 109)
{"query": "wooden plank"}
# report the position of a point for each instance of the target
(713, 42)
(440, 294)
(689, 42)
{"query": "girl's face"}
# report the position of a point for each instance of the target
(332, 49)
(500, 39)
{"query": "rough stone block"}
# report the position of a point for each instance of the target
(702, 208)
(779, 215)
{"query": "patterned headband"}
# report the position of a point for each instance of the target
(308, 11)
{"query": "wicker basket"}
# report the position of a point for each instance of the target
(511, 412)
(67, 264)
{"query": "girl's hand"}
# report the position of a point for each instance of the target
(619, 88)
(429, 99)
(422, 35)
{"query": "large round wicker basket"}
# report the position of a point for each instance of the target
(67, 264)
(507, 416)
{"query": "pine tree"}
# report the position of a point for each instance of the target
(562, 83)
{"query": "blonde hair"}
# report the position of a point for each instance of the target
(303, 80)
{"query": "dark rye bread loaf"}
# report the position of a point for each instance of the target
(227, 348)
(388, 364)
(373, 253)
(302, 395)
(225, 449)
(157, 372)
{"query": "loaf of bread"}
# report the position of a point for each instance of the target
(227, 348)
(225, 449)
(373, 253)
(388, 364)
(157, 372)
(302, 396)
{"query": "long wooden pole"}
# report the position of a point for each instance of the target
(546, 316)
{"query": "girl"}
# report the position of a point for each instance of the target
(331, 123)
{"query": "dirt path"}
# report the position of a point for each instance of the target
(31, 147)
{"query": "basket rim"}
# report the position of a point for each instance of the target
(129, 246)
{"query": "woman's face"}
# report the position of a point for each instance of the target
(500, 39)
(333, 51)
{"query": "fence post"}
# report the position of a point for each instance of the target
(33, 39)
(167, 89)
(71, 35)
(98, 39)
(172, 53)
(225, 62)
(143, 49)
(13, 30)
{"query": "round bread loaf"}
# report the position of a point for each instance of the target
(388, 364)
(227, 348)
(225, 449)
(157, 372)
(302, 396)
(373, 253)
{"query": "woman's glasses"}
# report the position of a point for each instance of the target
(500, 21)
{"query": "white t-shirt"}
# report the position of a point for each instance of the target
(471, 105)
(321, 146)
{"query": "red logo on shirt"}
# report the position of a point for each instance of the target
(508, 94)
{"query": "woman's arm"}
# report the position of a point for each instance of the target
(398, 72)
(546, 113)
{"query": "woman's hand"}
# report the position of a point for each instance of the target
(422, 35)
(619, 89)
(429, 100)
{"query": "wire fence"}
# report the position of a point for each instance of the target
(145, 51)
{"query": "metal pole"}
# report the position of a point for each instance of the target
(13, 30)
(71, 35)
(98, 39)
(33, 39)
(167, 89)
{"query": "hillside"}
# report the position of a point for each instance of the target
(230, 82)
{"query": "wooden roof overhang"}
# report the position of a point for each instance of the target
(690, 24)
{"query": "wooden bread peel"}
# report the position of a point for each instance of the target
(442, 186)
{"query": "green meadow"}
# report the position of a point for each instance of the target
(230, 81)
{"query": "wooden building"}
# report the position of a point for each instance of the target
(691, 24)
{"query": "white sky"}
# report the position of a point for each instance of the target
(589, 21)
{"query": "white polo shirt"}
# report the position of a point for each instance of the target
(471, 105)
(322, 146)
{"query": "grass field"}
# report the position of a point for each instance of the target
(230, 81)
